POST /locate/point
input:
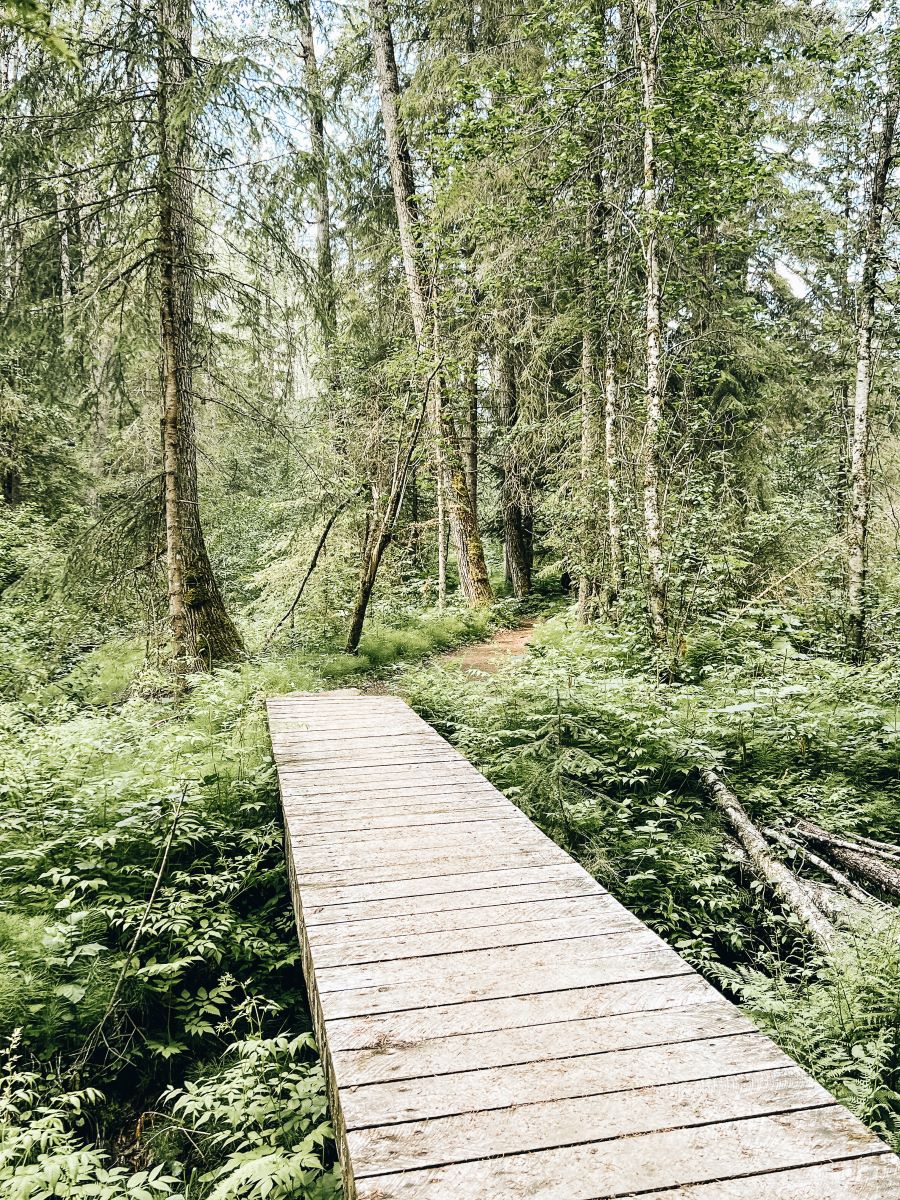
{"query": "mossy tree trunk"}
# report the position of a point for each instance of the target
(326, 299)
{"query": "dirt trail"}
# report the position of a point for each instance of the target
(490, 656)
(486, 657)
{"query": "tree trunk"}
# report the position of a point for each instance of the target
(838, 878)
(809, 829)
(473, 577)
(372, 556)
(463, 522)
(315, 107)
(587, 582)
(440, 494)
(470, 430)
(514, 504)
(10, 228)
(380, 534)
(647, 31)
(782, 881)
(611, 427)
(202, 631)
(859, 443)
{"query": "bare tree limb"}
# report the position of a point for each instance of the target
(320, 546)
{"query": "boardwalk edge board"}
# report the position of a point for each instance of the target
(493, 1025)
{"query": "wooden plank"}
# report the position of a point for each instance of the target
(448, 1055)
(875, 1177)
(430, 864)
(645, 1162)
(361, 803)
(386, 846)
(399, 780)
(433, 989)
(315, 744)
(493, 1024)
(344, 790)
(379, 849)
(384, 757)
(518, 887)
(416, 770)
(354, 949)
(366, 736)
(421, 1099)
(396, 796)
(358, 828)
(485, 1017)
(492, 916)
(503, 966)
(543, 1126)
(380, 723)
(410, 811)
(459, 883)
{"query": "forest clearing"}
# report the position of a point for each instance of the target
(526, 373)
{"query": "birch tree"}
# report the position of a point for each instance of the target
(859, 473)
(647, 34)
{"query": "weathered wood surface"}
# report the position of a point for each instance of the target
(494, 1024)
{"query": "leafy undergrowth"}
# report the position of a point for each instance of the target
(155, 1028)
(604, 757)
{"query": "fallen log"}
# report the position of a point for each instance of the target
(862, 863)
(841, 881)
(885, 849)
(783, 882)
(847, 841)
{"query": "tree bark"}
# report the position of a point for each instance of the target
(858, 524)
(440, 495)
(868, 865)
(848, 842)
(372, 555)
(588, 584)
(840, 880)
(315, 107)
(202, 631)
(380, 534)
(646, 25)
(514, 500)
(471, 430)
(473, 574)
(611, 435)
(782, 881)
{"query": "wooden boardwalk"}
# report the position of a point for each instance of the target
(494, 1025)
